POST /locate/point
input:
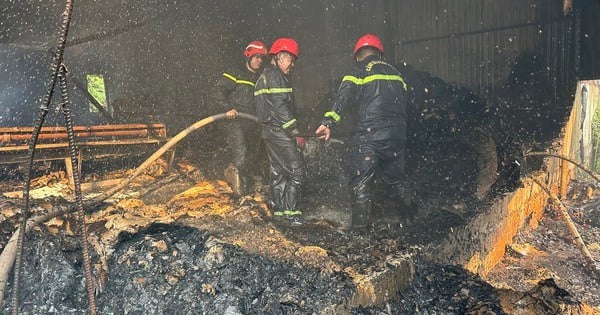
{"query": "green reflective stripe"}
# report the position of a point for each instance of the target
(289, 123)
(234, 79)
(333, 115)
(371, 78)
(273, 91)
(287, 212)
(244, 82)
(229, 76)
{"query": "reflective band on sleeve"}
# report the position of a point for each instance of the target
(230, 77)
(333, 115)
(352, 79)
(371, 78)
(289, 123)
(244, 82)
(234, 79)
(273, 91)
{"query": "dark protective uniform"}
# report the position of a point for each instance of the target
(378, 93)
(276, 112)
(235, 90)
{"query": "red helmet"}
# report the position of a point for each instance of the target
(255, 47)
(285, 44)
(368, 40)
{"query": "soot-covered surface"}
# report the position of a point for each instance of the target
(232, 258)
(52, 280)
(181, 270)
(444, 289)
(192, 272)
(439, 289)
(201, 267)
(177, 270)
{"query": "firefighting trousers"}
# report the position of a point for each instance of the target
(377, 158)
(286, 167)
(247, 149)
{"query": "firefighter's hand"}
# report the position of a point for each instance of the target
(231, 114)
(300, 143)
(323, 132)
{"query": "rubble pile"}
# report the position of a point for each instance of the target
(178, 242)
(444, 289)
(191, 272)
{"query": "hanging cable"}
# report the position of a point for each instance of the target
(56, 62)
(82, 227)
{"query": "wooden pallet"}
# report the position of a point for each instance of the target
(93, 142)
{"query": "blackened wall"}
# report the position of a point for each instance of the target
(161, 58)
(590, 38)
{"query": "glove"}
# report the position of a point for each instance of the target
(323, 132)
(300, 143)
(231, 114)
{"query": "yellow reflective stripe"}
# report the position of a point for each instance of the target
(287, 212)
(371, 78)
(289, 123)
(244, 82)
(333, 115)
(273, 91)
(234, 79)
(352, 79)
(229, 76)
(386, 77)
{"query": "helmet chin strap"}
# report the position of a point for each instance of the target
(276, 58)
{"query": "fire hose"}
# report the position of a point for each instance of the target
(197, 125)
(7, 258)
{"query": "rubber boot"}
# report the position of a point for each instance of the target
(406, 207)
(361, 214)
(232, 177)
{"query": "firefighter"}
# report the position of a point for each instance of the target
(235, 93)
(377, 93)
(276, 112)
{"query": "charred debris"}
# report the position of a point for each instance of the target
(176, 241)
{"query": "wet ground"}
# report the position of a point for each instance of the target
(178, 243)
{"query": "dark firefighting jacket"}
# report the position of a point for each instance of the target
(275, 105)
(235, 90)
(276, 112)
(377, 93)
